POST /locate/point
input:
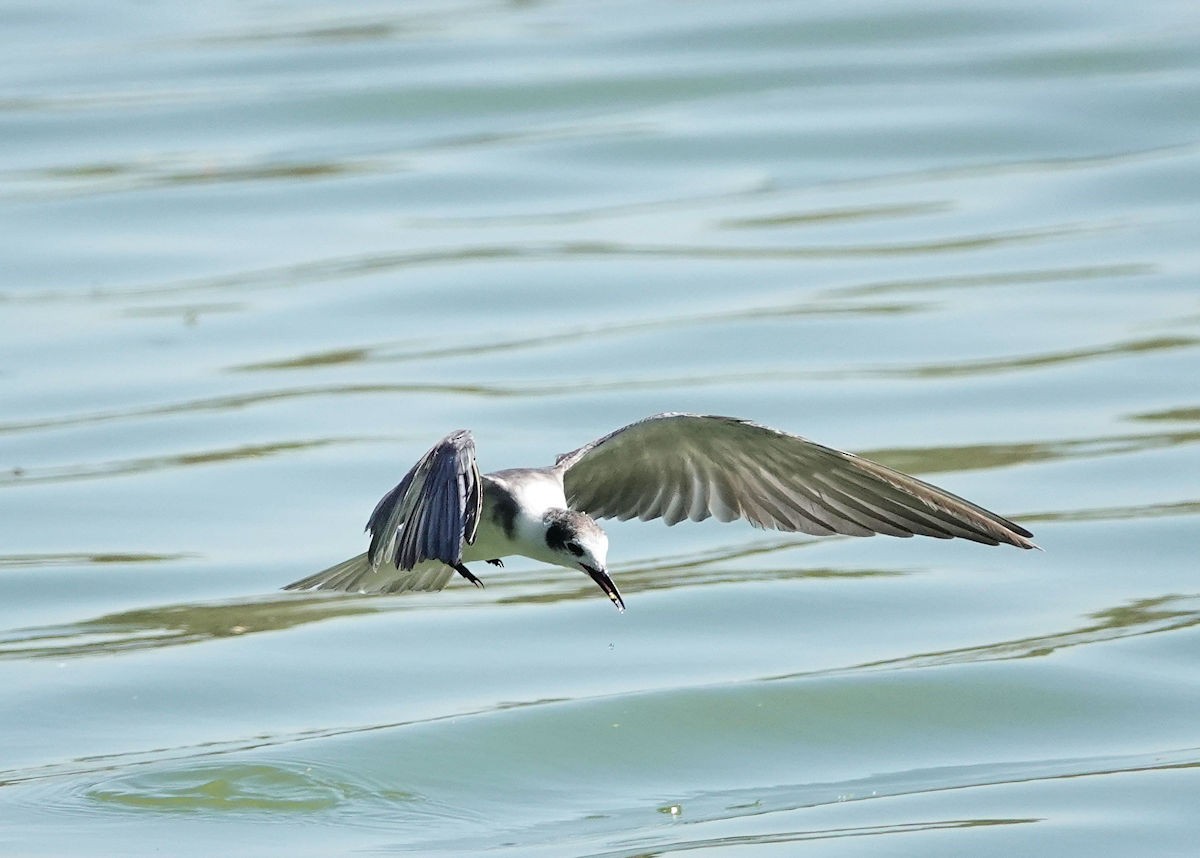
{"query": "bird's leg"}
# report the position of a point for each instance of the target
(497, 562)
(466, 573)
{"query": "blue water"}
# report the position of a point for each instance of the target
(256, 258)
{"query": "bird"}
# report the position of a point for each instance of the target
(674, 466)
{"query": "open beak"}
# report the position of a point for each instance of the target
(606, 584)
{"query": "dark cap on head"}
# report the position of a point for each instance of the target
(563, 525)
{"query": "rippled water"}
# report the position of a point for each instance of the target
(258, 257)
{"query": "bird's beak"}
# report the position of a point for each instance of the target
(605, 583)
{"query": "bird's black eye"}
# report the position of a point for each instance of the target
(574, 548)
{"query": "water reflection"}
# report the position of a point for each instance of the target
(807, 218)
(1134, 619)
(1033, 361)
(398, 351)
(670, 846)
(1182, 414)
(122, 177)
(701, 569)
(175, 625)
(347, 267)
(146, 464)
(81, 558)
(237, 401)
(968, 457)
(1081, 273)
(918, 460)
(1117, 513)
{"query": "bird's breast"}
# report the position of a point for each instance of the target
(513, 505)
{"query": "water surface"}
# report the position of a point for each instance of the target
(257, 258)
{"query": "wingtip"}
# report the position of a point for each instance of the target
(1022, 538)
(1022, 542)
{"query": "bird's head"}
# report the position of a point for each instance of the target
(575, 541)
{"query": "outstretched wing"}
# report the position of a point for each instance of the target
(357, 575)
(677, 466)
(433, 511)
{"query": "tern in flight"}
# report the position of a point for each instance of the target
(445, 514)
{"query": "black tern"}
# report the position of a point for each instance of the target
(672, 466)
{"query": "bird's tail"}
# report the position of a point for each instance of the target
(356, 575)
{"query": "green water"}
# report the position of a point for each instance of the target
(256, 258)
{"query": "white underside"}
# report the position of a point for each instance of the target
(534, 496)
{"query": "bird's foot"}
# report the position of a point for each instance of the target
(497, 562)
(466, 573)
